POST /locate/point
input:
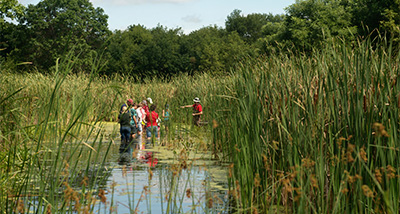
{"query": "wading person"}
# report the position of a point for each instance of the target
(124, 120)
(128, 103)
(151, 119)
(166, 115)
(140, 115)
(197, 111)
(134, 120)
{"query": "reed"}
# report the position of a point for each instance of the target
(44, 135)
(315, 133)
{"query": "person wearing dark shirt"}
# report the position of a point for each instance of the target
(125, 128)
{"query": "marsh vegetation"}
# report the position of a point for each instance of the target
(315, 133)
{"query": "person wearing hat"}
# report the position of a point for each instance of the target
(197, 111)
(128, 104)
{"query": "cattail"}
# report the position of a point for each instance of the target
(20, 206)
(230, 170)
(380, 130)
(314, 181)
(48, 209)
(102, 195)
(367, 191)
(188, 193)
(378, 175)
(210, 202)
(390, 172)
(84, 181)
(215, 124)
(363, 154)
(257, 180)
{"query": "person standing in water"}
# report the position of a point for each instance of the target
(151, 119)
(166, 116)
(197, 111)
(125, 129)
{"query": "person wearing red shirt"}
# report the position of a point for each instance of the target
(197, 111)
(151, 119)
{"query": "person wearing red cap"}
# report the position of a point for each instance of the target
(128, 104)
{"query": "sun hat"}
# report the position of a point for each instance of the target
(144, 102)
(196, 100)
(130, 102)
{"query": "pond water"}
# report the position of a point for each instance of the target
(150, 179)
(144, 177)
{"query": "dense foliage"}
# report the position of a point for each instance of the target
(44, 32)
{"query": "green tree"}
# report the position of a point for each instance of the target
(249, 27)
(164, 53)
(10, 10)
(380, 15)
(56, 26)
(126, 50)
(143, 53)
(309, 22)
(212, 49)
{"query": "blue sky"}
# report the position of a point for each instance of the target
(190, 15)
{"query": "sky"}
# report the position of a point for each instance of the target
(190, 15)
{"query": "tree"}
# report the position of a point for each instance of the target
(380, 15)
(214, 50)
(248, 27)
(10, 10)
(143, 53)
(56, 26)
(310, 22)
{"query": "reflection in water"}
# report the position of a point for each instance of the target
(139, 178)
(143, 184)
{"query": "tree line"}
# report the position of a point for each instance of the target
(33, 37)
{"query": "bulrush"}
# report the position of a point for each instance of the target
(367, 191)
(20, 206)
(379, 130)
(48, 209)
(102, 195)
(188, 193)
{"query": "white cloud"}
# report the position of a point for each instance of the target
(191, 19)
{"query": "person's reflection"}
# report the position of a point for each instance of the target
(146, 156)
(126, 150)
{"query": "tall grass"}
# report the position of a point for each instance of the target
(314, 133)
(45, 132)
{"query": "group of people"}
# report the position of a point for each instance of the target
(134, 118)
